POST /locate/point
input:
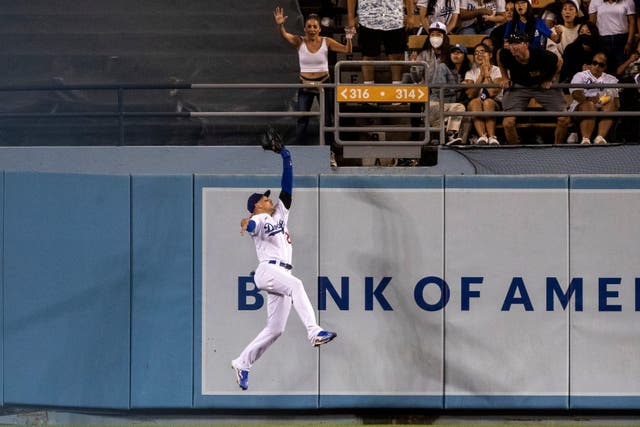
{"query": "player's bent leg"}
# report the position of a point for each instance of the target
(278, 309)
(284, 283)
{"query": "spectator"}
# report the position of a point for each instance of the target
(438, 73)
(381, 22)
(579, 53)
(616, 21)
(484, 99)
(458, 62)
(480, 16)
(434, 46)
(590, 98)
(631, 66)
(450, 99)
(552, 13)
(629, 99)
(314, 65)
(524, 21)
(568, 29)
(527, 73)
(488, 41)
(432, 53)
(413, 24)
(498, 33)
(444, 11)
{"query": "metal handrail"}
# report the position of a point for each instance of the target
(121, 114)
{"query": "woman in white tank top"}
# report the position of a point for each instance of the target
(313, 58)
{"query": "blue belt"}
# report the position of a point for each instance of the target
(281, 264)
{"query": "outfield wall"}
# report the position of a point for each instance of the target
(134, 291)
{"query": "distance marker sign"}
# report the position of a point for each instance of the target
(381, 93)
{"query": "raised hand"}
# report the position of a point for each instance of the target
(558, 29)
(279, 16)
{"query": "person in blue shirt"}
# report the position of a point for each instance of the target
(525, 22)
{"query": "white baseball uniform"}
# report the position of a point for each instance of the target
(273, 275)
(591, 89)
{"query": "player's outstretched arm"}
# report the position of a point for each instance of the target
(287, 178)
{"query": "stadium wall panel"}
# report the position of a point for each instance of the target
(162, 291)
(448, 292)
(67, 290)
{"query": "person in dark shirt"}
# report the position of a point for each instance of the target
(527, 73)
(578, 54)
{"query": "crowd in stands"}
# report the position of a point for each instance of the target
(587, 42)
(596, 41)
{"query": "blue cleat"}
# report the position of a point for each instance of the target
(242, 377)
(323, 337)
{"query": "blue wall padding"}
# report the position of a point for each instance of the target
(162, 292)
(1, 286)
(101, 290)
(67, 290)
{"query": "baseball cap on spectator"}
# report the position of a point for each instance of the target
(255, 198)
(462, 48)
(518, 37)
(438, 26)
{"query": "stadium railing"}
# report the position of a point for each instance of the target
(389, 148)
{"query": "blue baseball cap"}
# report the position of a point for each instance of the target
(255, 198)
(462, 48)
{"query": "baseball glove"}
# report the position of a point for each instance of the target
(272, 141)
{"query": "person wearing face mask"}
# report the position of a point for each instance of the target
(434, 46)
(581, 51)
(436, 41)
(594, 98)
(434, 53)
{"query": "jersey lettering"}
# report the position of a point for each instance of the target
(274, 229)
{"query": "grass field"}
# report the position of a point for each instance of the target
(476, 423)
(39, 417)
(515, 424)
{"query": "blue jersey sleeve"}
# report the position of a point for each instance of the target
(287, 171)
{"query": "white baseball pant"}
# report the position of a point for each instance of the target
(283, 290)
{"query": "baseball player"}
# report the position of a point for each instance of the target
(267, 224)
